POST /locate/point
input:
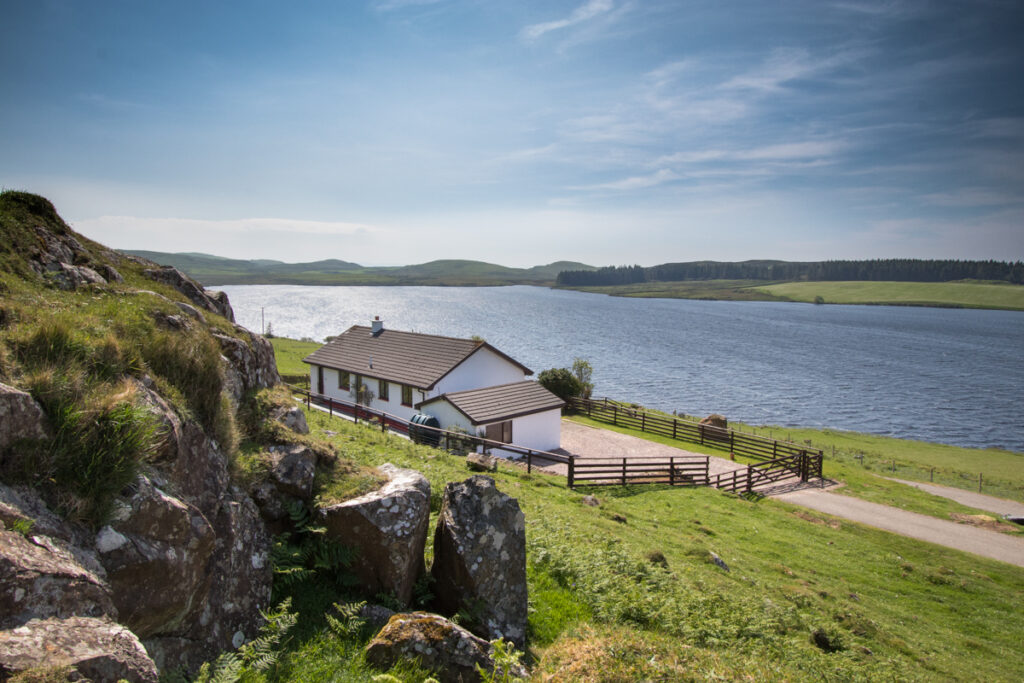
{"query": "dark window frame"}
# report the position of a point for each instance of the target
(382, 389)
(406, 391)
(343, 380)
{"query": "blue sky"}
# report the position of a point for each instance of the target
(604, 131)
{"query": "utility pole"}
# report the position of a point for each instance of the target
(263, 324)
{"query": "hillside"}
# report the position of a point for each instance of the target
(216, 270)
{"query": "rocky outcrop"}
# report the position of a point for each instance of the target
(447, 649)
(248, 367)
(215, 303)
(156, 553)
(72, 277)
(388, 529)
(97, 649)
(480, 559)
(20, 417)
(480, 462)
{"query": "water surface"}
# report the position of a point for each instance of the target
(946, 375)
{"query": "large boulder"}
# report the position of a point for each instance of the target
(480, 559)
(21, 417)
(240, 579)
(39, 579)
(156, 554)
(388, 529)
(72, 277)
(97, 649)
(170, 275)
(715, 420)
(447, 649)
(293, 418)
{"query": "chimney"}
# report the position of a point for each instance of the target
(376, 325)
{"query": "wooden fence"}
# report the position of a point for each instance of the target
(749, 445)
(674, 471)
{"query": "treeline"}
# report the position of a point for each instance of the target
(899, 270)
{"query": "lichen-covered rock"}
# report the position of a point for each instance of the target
(170, 275)
(97, 649)
(479, 462)
(240, 574)
(248, 367)
(72, 277)
(293, 418)
(480, 559)
(39, 580)
(715, 420)
(388, 529)
(21, 417)
(292, 469)
(449, 650)
(156, 553)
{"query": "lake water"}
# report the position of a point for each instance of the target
(945, 375)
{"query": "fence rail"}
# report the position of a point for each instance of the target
(796, 463)
(749, 445)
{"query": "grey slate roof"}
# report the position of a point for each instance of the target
(503, 402)
(418, 360)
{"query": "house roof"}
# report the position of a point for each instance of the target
(418, 360)
(502, 402)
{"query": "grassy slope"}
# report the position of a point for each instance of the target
(601, 611)
(289, 354)
(965, 294)
(947, 294)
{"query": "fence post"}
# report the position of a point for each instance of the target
(308, 395)
(931, 477)
(700, 428)
(749, 486)
(615, 415)
(572, 467)
(624, 473)
(383, 422)
(643, 421)
(804, 466)
(775, 449)
(731, 435)
(675, 423)
(529, 462)
(672, 471)
(979, 482)
(707, 469)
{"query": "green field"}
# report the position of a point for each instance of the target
(289, 354)
(941, 294)
(950, 294)
(627, 590)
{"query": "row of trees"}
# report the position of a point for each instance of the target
(902, 270)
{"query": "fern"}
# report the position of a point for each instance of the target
(259, 654)
(349, 623)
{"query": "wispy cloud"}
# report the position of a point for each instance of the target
(392, 5)
(791, 151)
(236, 227)
(583, 13)
(659, 177)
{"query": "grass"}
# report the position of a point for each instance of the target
(946, 294)
(641, 599)
(289, 354)
(717, 290)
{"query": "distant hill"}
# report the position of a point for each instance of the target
(217, 270)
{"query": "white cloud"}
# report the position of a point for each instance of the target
(659, 177)
(391, 5)
(583, 13)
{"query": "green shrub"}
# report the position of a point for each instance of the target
(560, 382)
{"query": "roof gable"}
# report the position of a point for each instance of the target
(502, 402)
(411, 358)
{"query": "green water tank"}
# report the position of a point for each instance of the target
(424, 429)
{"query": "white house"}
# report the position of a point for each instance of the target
(462, 382)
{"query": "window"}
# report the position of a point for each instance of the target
(382, 389)
(406, 395)
(342, 380)
(500, 431)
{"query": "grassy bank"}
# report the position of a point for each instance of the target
(941, 294)
(948, 294)
(289, 354)
(628, 590)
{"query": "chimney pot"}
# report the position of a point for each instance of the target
(376, 326)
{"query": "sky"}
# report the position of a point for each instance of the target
(611, 132)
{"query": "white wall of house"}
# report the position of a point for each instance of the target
(540, 431)
(392, 406)
(449, 417)
(483, 369)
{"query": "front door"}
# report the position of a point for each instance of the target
(319, 379)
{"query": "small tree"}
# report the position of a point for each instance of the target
(560, 382)
(363, 395)
(582, 369)
(269, 334)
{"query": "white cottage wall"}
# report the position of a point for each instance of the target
(482, 369)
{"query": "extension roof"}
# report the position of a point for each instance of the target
(502, 402)
(411, 358)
